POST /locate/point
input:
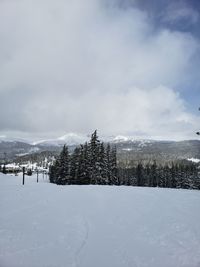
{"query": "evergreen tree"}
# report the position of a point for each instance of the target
(179, 176)
(166, 180)
(173, 176)
(93, 155)
(53, 172)
(139, 175)
(197, 180)
(153, 175)
(74, 166)
(147, 175)
(82, 175)
(86, 163)
(108, 164)
(63, 167)
(4, 169)
(102, 164)
(113, 166)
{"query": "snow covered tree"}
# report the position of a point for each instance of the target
(54, 171)
(83, 173)
(113, 166)
(140, 175)
(173, 176)
(86, 162)
(63, 167)
(93, 157)
(153, 181)
(108, 163)
(74, 166)
(4, 169)
(103, 179)
(166, 174)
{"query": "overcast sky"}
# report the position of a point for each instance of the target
(126, 67)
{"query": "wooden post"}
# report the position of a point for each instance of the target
(23, 169)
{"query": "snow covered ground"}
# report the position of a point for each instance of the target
(194, 160)
(45, 225)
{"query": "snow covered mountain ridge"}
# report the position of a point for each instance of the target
(127, 146)
(72, 138)
(75, 139)
(69, 139)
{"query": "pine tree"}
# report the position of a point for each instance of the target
(51, 174)
(93, 155)
(197, 180)
(82, 176)
(179, 176)
(147, 175)
(108, 164)
(113, 166)
(153, 175)
(54, 171)
(86, 163)
(74, 166)
(63, 170)
(139, 175)
(4, 169)
(102, 165)
(173, 176)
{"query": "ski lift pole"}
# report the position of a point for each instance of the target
(23, 180)
(37, 175)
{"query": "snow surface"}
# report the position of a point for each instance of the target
(194, 160)
(45, 225)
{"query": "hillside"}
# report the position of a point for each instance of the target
(161, 151)
(12, 150)
(127, 149)
(44, 225)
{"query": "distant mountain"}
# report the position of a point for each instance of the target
(69, 139)
(12, 149)
(147, 150)
(128, 148)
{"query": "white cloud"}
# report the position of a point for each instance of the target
(73, 66)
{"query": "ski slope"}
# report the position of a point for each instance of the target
(45, 225)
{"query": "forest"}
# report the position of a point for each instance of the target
(96, 163)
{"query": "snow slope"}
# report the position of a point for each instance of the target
(45, 225)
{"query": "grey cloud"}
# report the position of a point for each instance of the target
(79, 65)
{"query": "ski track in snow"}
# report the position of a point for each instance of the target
(83, 243)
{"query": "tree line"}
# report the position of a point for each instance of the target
(3, 169)
(96, 163)
(176, 175)
(90, 163)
